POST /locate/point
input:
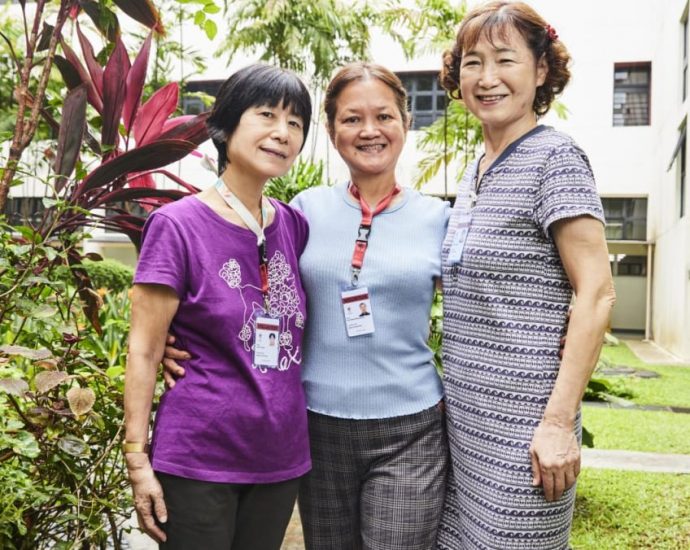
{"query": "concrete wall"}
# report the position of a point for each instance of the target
(629, 312)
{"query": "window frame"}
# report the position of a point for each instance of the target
(628, 221)
(622, 88)
(436, 92)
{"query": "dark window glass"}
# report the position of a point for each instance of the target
(626, 219)
(24, 210)
(635, 266)
(427, 100)
(193, 105)
(631, 85)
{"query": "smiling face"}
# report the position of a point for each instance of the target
(266, 142)
(368, 129)
(498, 82)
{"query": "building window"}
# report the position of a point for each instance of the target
(426, 99)
(631, 266)
(626, 219)
(24, 210)
(631, 87)
(192, 102)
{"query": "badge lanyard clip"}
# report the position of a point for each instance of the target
(364, 230)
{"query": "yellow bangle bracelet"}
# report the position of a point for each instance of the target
(134, 447)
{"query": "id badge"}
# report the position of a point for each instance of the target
(459, 239)
(266, 342)
(359, 319)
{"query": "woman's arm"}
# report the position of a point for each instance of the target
(581, 243)
(153, 307)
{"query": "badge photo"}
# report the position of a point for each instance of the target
(359, 319)
(266, 342)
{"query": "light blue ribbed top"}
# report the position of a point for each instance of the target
(390, 372)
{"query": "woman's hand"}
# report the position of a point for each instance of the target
(171, 369)
(148, 496)
(555, 457)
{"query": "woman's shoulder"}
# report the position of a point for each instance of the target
(550, 138)
(426, 202)
(431, 208)
(289, 212)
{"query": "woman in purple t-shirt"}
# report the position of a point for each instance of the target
(220, 270)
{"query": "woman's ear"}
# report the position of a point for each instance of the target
(331, 133)
(542, 70)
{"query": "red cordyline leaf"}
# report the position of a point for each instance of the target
(95, 99)
(71, 133)
(94, 68)
(142, 180)
(135, 83)
(114, 79)
(189, 128)
(148, 123)
(142, 11)
(147, 157)
(179, 181)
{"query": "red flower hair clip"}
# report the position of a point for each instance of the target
(551, 33)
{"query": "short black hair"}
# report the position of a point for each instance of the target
(253, 86)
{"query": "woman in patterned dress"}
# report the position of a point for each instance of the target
(525, 234)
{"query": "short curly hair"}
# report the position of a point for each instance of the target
(494, 20)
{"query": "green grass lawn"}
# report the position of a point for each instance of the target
(672, 389)
(631, 510)
(635, 430)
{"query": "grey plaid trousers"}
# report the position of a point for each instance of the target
(375, 484)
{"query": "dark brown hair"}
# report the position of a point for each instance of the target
(354, 72)
(494, 20)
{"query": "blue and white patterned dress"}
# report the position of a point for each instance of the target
(505, 308)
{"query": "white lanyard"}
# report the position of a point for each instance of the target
(245, 215)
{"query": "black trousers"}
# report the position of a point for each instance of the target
(226, 516)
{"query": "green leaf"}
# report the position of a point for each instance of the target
(44, 311)
(73, 446)
(25, 444)
(211, 29)
(199, 18)
(114, 372)
(211, 8)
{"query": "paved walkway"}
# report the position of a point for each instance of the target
(637, 461)
(649, 352)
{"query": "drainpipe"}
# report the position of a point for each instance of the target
(648, 306)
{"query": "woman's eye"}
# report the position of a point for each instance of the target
(351, 120)
(470, 63)
(295, 124)
(267, 114)
(385, 116)
(505, 61)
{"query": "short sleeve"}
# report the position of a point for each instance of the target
(567, 188)
(302, 232)
(163, 256)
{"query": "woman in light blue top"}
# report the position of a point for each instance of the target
(376, 421)
(376, 424)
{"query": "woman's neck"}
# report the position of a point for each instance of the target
(248, 190)
(372, 189)
(496, 140)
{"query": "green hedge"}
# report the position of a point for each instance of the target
(109, 274)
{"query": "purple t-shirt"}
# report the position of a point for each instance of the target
(228, 420)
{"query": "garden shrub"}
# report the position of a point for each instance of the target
(110, 274)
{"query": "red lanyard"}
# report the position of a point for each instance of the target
(365, 227)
